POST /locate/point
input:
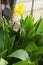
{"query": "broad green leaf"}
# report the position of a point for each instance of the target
(37, 54)
(40, 28)
(21, 54)
(31, 46)
(3, 62)
(21, 63)
(39, 51)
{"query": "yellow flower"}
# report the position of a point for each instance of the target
(18, 10)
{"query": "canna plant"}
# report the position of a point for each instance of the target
(24, 47)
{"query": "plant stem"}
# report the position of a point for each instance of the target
(32, 7)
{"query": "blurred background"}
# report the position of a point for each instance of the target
(37, 7)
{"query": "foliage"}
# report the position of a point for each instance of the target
(24, 47)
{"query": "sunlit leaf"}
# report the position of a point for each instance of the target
(3, 62)
(21, 54)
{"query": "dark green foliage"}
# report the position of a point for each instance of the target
(24, 47)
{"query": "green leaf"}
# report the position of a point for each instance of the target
(1, 39)
(2, 54)
(21, 63)
(36, 25)
(31, 47)
(36, 58)
(22, 22)
(6, 41)
(3, 62)
(40, 28)
(36, 55)
(11, 43)
(5, 24)
(39, 51)
(26, 25)
(21, 54)
(29, 22)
